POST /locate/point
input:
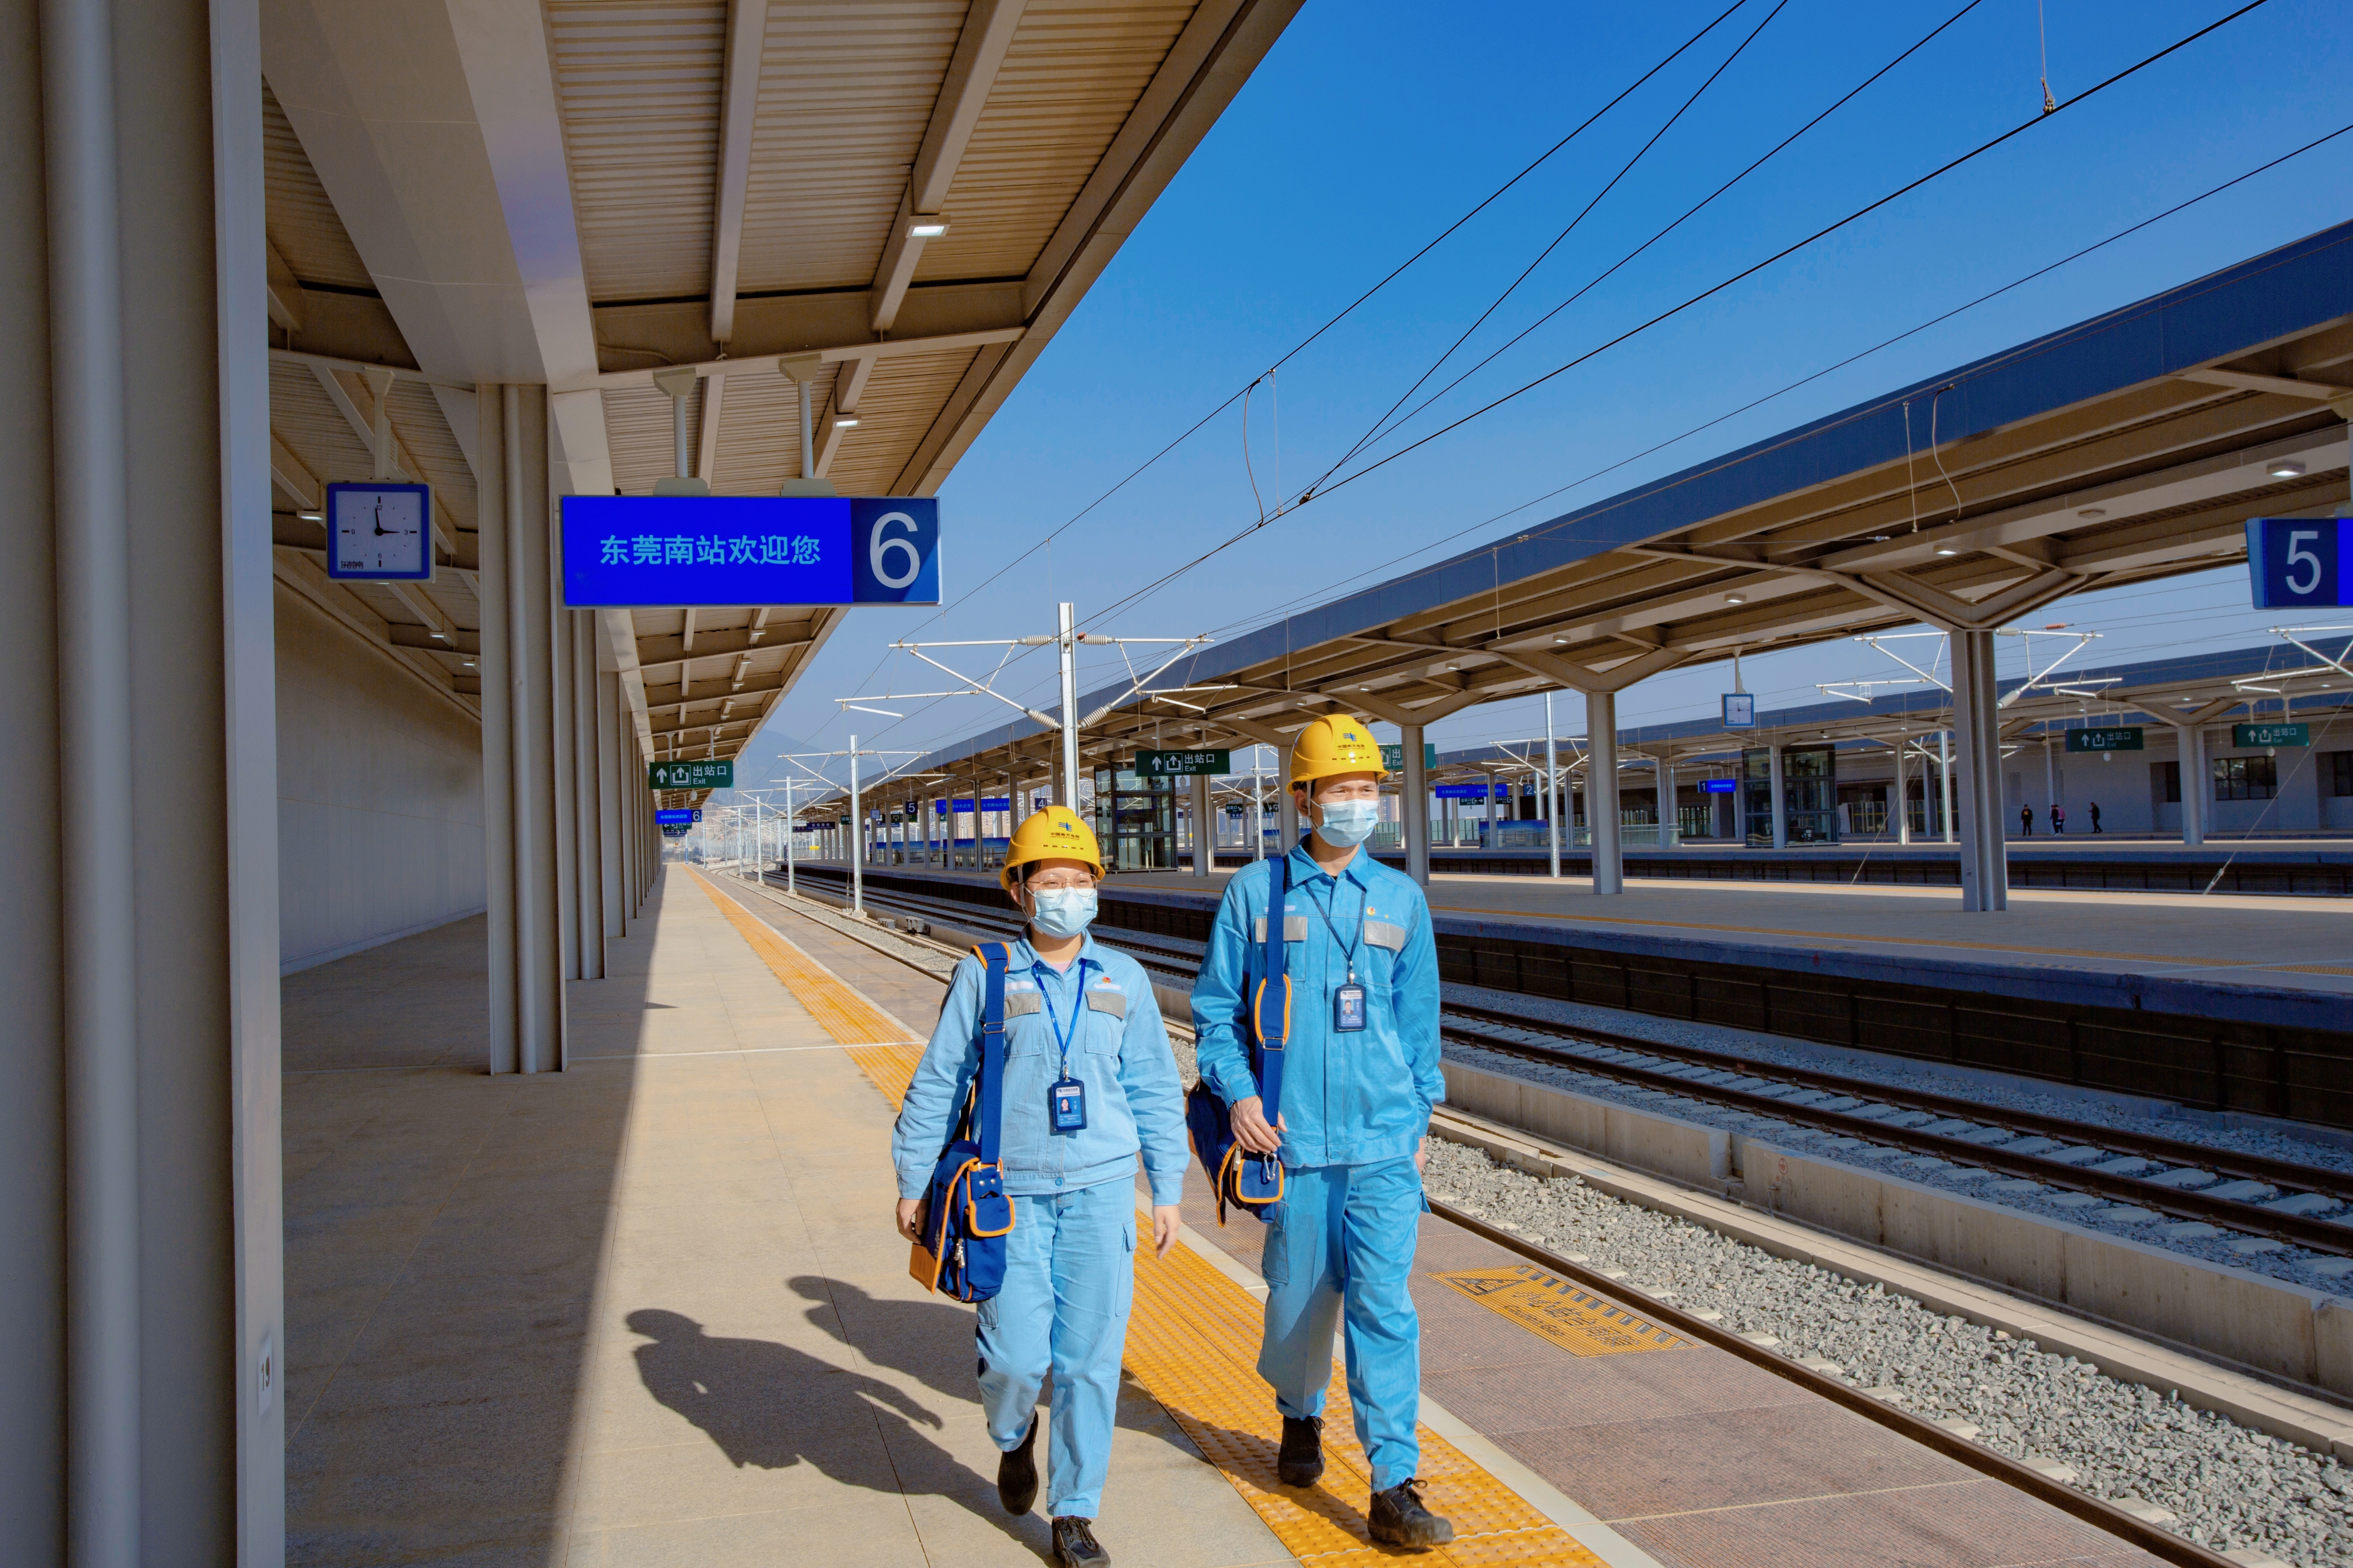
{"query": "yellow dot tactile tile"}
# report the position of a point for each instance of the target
(1576, 1320)
(1192, 1344)
(840, 1011)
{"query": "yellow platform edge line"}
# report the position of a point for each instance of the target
(1192, 1344)
(838, 1008)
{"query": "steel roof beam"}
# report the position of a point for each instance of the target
(747, 32)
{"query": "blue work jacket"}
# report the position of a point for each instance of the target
(1119, 1049)
(1347, 1100)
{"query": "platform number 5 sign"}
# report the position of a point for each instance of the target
(2296, 562)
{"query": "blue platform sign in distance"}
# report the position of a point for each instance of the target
(2297, 562)
(684, 817)
(628, 552)
(1718, 786)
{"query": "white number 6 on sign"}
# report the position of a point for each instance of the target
(2297, 553)
(878, 548)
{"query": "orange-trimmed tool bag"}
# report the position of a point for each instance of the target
(966, 1213)
(1252, 1182)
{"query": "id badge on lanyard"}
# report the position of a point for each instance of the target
(1348, 1001)
(1066, 1096)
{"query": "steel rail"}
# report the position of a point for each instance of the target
(2318, 1235)
(2229, 1162)
(2154, 1540)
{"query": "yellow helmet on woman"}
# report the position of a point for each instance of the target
(1339, 743)
(1057, 833)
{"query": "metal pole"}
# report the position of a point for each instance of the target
(789, 837)
(809, 435)
(2050, 770)
(1945, 779)
(858, 818)
(1257, 806)
(1067, 645)
(1551, 788)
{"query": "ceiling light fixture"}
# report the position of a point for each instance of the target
(845, 421)
(2286, 469)
(2092, 513)
(312, 516)
(927, 228)
(1946, 550)
(1735, 598)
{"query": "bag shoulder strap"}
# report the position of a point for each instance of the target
(989, 1095)
(1270, 1007)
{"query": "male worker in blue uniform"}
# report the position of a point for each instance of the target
(1090, 1085)
(1360, 1079)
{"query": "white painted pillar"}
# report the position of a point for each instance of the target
(1670, 816)
(1602, 790)
(1413, 802)
(2190, 745)
(1945, 785)
(1903, 797)
(1780, 800)
(587, 812)
(1985, 862)
(519, 754)
(612, 812)
(1205, 830)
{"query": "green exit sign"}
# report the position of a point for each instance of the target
(1184, 764)
(705, 775)
(2251, 735)
(2110, 737)
(1393, 757)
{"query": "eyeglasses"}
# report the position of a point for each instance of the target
(1052, 884)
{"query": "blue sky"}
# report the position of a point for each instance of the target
(1372, 126)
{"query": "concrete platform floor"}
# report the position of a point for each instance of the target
(650, 1310)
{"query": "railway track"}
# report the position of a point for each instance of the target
(2197, 1183)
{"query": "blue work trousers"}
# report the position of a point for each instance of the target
(1069, 1275)
(1343, 1235)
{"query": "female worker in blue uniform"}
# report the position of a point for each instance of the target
(1074, 1013)
(1360, 1078)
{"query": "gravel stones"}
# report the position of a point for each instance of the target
(2229, 1488)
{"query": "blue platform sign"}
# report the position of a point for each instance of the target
(1718, 786)
(1495, 790)
(684, 817)
(626, 552)
(2299, 562)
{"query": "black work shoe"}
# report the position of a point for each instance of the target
(1017, 1474)
(1302, 1459)
(1075, 1545)
(1399, 1520)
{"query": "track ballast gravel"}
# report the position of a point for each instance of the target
(2230, 1487)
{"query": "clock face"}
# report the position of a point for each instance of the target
(380, 530)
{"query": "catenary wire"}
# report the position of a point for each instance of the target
(1686, 304)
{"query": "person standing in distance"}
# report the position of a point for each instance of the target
(1360, 1078)
(1090, 1083)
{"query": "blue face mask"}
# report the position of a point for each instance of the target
(1348, 823)
(1062, 911)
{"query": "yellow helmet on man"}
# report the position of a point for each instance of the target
(1057, 833)
(1338, 743)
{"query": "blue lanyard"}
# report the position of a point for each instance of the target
(1347, 950)
(1054, 1016)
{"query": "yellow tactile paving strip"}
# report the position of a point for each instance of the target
(1576, 1320)
(839, 1010)
(1192, 1342)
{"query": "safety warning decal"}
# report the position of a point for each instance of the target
(1570, 1317)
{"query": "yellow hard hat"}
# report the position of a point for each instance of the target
(1341, 743)
(1057, 833)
